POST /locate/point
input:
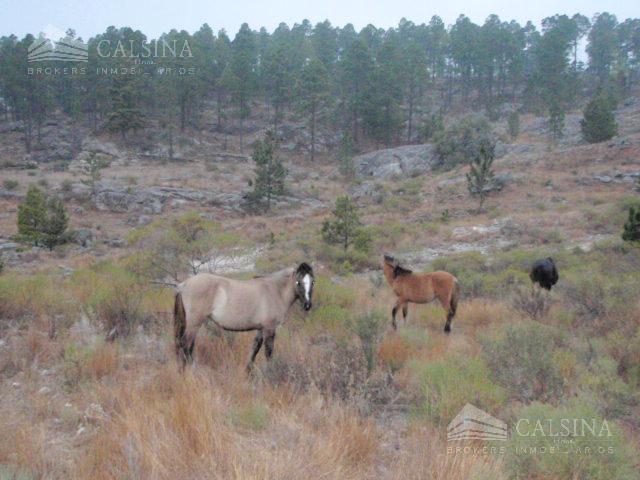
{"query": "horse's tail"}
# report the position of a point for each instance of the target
(453, 304)
(455, 295)
(179, 328)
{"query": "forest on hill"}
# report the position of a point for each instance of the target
(377, 85)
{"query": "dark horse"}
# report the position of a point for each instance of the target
(258, 304)
(544, 273)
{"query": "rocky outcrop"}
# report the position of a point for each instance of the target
(406, 161)
(58, 141)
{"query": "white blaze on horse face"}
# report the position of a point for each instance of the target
(306, 281)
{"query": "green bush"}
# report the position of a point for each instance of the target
(42, 220)
(461, 142)
(369, 328)
(631, 231)
(586, 456)
(599, 122)
(602, 387)
(10, 184)
(445, 386)
(113, 296)
(521, 359)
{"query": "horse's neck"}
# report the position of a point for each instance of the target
(388, 273)
(286, 287)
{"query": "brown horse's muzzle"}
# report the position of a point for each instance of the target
(306, 306)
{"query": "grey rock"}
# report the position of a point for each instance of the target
(8, 246)
(603, 178)
(144, 220)
(83, 237)
(405, 161)
(10, 127)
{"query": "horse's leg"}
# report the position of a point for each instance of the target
(394, 310)
(405, 311)
(269, 340)
(257, 343)
(450, 305)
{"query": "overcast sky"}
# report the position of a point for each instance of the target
(89, 17)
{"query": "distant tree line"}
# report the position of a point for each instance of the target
(374, 85)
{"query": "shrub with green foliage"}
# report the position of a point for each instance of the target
(599, 122)
(369, 328)
(346, 229)
(521, 359)
(186, 244)
(480, 178)
(10, 184)
(445, 386)
(461, 142)
(631, 231)
(41, 220)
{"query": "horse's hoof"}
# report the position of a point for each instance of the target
(447, 330)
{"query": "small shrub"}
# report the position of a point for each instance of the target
(445, 386)
(631, 231)
(521, 361)
(531, 301)
(10, 184)
(461, 142)
(369, 328)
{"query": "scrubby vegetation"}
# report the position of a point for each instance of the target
(340, 378)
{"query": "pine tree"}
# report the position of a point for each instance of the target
(631, 231)
(55, 227)
(32, 216)
(270, 174)
(345, 227)
(313, 89)
(599, 123)
(125, 114)
(345, 157)
(42, 221)
(513, 122)
(480, 179)
(556, 121)
(92, 168)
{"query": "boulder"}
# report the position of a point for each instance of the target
(405, 161)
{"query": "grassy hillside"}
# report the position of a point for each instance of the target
(345, 396)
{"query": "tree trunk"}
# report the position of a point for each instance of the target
(313, 133)
(410, 128)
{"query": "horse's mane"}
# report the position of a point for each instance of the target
(280, 273)
(398, 271)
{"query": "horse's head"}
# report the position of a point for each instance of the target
(304, 284)
(389, 259)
